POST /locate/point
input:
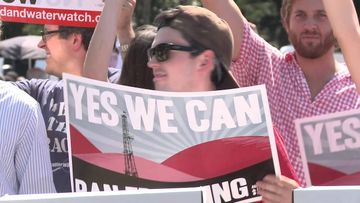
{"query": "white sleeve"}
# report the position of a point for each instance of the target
(32, 159)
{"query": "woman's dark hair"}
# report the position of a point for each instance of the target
(135, 71)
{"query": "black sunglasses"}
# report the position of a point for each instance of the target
(161, 51)
(44, 34)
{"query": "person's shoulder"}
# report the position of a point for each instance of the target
(48, 83)
(343, 72)
(7, 89)
(13, 96)
(38, 83)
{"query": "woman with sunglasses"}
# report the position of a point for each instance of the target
(347, 34)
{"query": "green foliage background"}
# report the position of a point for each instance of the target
(263, 13)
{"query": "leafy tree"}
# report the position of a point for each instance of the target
(32, 29)
(10, 30)
(146, 10)
(264, 14)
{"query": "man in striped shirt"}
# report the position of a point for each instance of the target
(24, 155)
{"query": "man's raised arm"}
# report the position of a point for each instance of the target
(345, 25)
(230, 12)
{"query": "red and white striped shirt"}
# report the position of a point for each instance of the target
(287, 89)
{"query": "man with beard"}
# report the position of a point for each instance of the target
(307, 82)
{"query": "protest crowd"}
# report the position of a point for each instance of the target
(209, 48)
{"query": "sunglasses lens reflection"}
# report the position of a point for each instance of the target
(160, 52)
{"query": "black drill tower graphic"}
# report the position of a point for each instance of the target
(130, 167)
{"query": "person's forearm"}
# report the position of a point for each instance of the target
(125, 35)
(230, 12)
(102, 42)
(345, 24)
(338, 13)
(125, 31)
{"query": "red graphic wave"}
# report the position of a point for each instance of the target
(146, 169)
(352, 179)
(222, 156)
(319, 174)
(322, 175)
(80, 144)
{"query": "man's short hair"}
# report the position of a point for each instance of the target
(86, 33)
(285, 10)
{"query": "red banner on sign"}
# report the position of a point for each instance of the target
(80, 18)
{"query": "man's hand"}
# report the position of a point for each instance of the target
(126, 13)
(276, 189)
(125, 32)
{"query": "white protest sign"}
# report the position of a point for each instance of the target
(123, 138)
(84, 13)
(178, 195)
(330, 148)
